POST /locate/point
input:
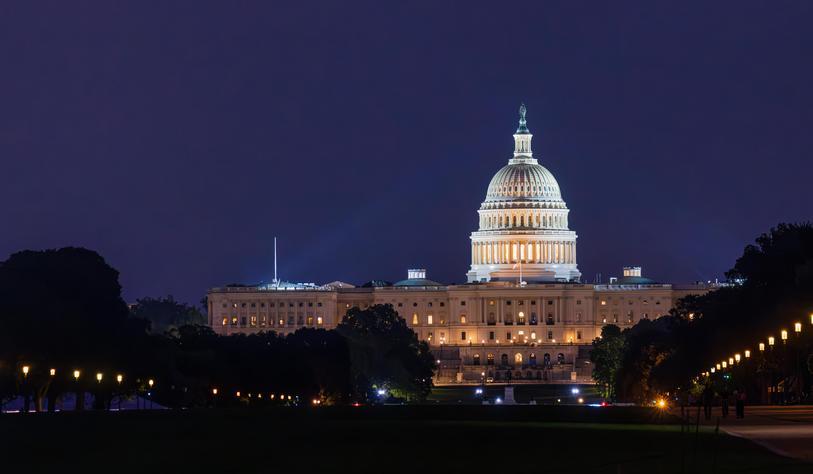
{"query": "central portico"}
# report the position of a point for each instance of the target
(523, 232)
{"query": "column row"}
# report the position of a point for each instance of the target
(506, 252)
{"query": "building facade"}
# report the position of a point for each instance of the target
(523, 315)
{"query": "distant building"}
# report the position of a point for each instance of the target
(523, 315)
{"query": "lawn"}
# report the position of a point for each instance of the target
(547, 439)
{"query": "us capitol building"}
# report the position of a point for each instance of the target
(522, 316)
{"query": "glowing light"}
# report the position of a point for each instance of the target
(574, 390)
(150, 382)
(771, 341)
(784, 335)
(26, 369)
(737, 357)
(712, 370)
(581, 400)
(214, 391)
(661, 403)
(478, 391)
(747, 354)
(498, 400)
(762, 347)
(725, 364)
(718, 366)
(76, 374)
(99, 377)
(381, 392)
(316, 401)
(52, 372)
(119, 378)
(238, 394)
(797, 327)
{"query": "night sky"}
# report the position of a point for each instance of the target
(178, 140)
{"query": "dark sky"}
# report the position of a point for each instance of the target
(178, 138)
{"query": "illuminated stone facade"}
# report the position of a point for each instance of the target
(523, 316)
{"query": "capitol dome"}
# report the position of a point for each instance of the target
(523, 223)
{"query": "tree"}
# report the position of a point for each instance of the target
(385, 353)
(61, 309)
(606, 357)
(166, 315)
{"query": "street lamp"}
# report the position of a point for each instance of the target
(725, 364)
(761, 347)
(747, 354)
(76, 374)
(797, 327)
(25, 370)
(119, 379)
(150, 382)
(52, 372)
(730, 361)
(718, 366)
(737, 357)
(771, 341)
(99, 377)
(712, 370)
(214, 391)
(784, 336)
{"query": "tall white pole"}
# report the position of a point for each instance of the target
(276, 282)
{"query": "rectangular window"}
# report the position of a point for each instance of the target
(415, 319)
(463, 335)
(225, 321)
(429, 319)
(578, 335)
(310, 320)
(508, 336)
(491, 335)
(319, 320)
(550, 335)
(254, 321)
(462, 319)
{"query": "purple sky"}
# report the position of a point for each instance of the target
(178, 140)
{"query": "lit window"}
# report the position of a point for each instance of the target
(253, 321)
(415, 318)
(533, 335)
(310, 320)
(234, 320)
(225, 321)
(603, 303)
(462, 319)
(319, 320)
(281, 322)
(428, 319)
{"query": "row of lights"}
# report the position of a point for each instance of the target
(736, 358)
(237, 394)
(77, 373)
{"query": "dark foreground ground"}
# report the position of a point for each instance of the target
(387, 439)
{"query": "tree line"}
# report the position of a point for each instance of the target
(770, 288)
(63, 321)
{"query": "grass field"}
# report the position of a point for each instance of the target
(549, 439)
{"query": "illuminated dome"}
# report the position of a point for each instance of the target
(523, 233)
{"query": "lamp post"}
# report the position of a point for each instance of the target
(150, 382)
(76, 375)
(119, 380)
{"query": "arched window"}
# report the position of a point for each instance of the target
(518, 358)
(491, 319)
(522, 221)
(520, 318)
(504, 359)
(415, 318)
(560, 358)
(509, 318)
(546, 360)
(490, 359)
(532, 359)
(533, 318)
(476, 359)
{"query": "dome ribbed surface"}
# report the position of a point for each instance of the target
(523, 182)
